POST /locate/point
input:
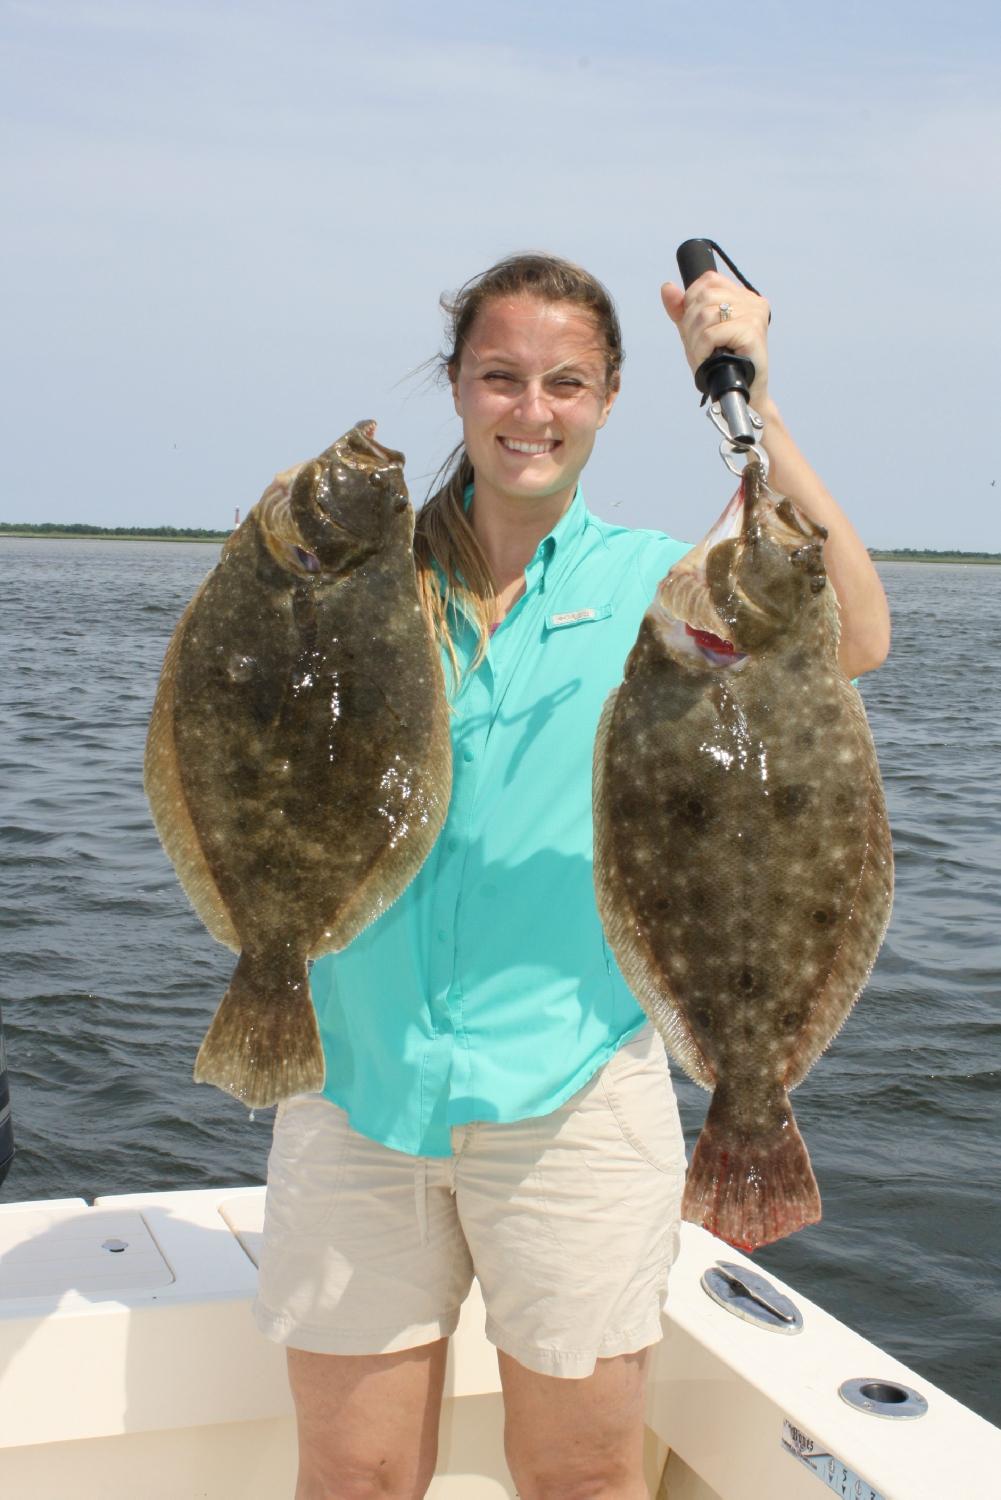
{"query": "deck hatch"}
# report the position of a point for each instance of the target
(99, 1253)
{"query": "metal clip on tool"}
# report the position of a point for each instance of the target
(725, 377)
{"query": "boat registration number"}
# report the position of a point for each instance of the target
(827, 1467)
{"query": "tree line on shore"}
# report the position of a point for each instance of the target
(928, 554)
(200, 534)
(81, 528)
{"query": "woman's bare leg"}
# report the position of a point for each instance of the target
(576, 1439)
(368, 1424)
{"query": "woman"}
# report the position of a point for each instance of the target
(495, 1099)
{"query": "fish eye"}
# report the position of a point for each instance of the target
(307, 560)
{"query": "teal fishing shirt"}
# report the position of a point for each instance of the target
(488, 991)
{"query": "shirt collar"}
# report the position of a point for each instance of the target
(566, 531)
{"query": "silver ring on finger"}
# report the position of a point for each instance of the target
(725, 312)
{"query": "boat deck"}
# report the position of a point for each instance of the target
(130, 1367)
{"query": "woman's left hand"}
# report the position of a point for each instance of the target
(696, 315)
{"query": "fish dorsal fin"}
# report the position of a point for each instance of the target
(169, 805)
(635, 961)
(868, 915)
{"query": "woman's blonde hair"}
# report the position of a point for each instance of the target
(451, 567)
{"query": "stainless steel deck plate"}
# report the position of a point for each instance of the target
(749, 1295)
(883, 1398)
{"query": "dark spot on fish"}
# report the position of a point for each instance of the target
(791, 801)
(703, 1020)
(797, 661)
(364, 697)
(821, 917)
(790, 1021)
(747, 982)
(692, 810)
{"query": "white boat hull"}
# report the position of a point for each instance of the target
(137, 1373)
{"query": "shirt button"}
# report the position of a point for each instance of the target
(442, 934)
(467, 755)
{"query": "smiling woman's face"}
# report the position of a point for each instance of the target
(532, 391)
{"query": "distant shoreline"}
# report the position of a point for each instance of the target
(192, 534)
(988, 559)
(42, 534)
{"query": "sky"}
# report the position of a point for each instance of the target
(229, 224)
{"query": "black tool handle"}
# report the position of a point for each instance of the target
(694, 257)
(723, 372)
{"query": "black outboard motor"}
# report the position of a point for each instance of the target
(6, 1124)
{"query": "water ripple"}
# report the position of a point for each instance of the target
(110, 979)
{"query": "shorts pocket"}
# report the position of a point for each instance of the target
(306, 1164)
(637, 1084)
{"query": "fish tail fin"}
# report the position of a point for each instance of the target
(264, 1043)
(750, 1188)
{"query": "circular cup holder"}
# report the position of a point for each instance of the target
(883, 1398)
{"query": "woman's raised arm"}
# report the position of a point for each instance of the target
(865, 617)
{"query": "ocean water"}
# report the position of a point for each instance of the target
(108, 980)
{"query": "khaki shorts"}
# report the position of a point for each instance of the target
(569, 1221)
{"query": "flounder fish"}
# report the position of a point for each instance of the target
(298, 763)
(743, 864)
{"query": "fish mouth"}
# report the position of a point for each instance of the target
(703, 647)
(713, 645)
(359, 450)
(694, 625)
(356, 454)
(746, 581)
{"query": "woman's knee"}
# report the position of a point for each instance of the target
(367, 1424)
(587, 1475)
(343, 1476)
(576, 1439)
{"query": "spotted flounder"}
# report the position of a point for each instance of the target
(298, 763)
(743, 863)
